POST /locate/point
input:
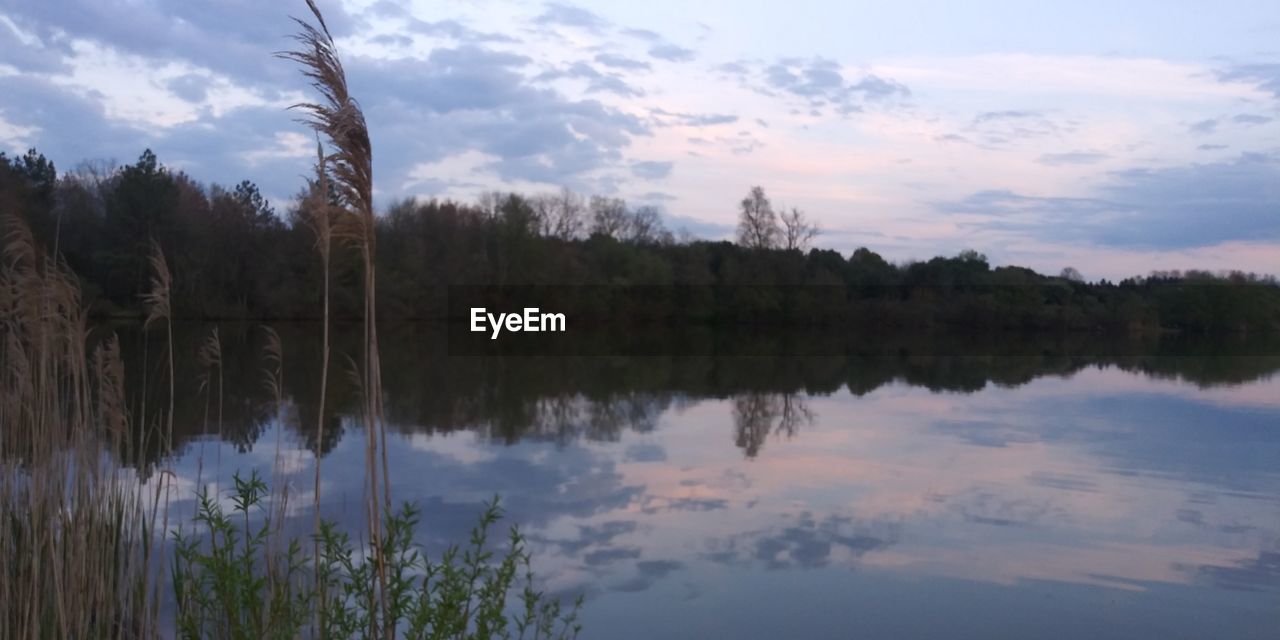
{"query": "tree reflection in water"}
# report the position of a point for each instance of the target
(564, 399)
(756, 415)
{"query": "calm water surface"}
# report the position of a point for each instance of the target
(1046, 496)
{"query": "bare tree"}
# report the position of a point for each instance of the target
(1071, 274)
(543, 206)
(490, 202)
(646, 226)
(565, 219)
(797, 230)
(757, 223)
(95, 176)
(609, 217)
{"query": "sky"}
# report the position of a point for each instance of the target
(1117, 138)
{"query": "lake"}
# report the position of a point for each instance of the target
(1047, 488)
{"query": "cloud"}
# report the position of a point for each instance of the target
(260, 143)
(387, 9)
(610, 555)
(876, 88)
(1260, 573)
(671, 52)
(1266, 76)
(658, 568)
(815, 78)
(1063, 481)
(733, 68)
(575, 483)
(698, 227)
(450, 79)
(985, 433)
(598, 536)
(1072, 158)
(742, 144)
(49, 107)
(986, 508)
(26, 57)
(471, 98)
(1250, 119)
(618, 61)
(657, 504)
(656, 196)
(575, 70)
(597, 82)
(648, 572)
(615, 85)
(1203, 126)
(1176, 207)
(992, 116)
(223, 148)
(567, 15)
(455, 30)
(645, 453)
(821, 82)
(236, 40)
(392, 40)
(191, 87)
(669, 118)
(807, 543)
(1001, 129)
(478, 99)
(642, 34)
(651, 170)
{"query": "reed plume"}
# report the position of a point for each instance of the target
(156, 300)
(338, 117)
(157, 303)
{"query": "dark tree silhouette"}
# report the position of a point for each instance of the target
(797, 231)
(757, 223)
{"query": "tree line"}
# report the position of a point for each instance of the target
(235, 256)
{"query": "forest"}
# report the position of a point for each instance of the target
(235, 256)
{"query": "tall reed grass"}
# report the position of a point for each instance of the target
(74, 534)
(348, 168)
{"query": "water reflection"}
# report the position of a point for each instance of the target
(834, 496)
(597, 398)
(758, 415)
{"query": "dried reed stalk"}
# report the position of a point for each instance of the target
(338, 117)
(73, 533)
(156, 301)
(318, 213)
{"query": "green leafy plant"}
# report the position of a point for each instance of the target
(228, 585)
